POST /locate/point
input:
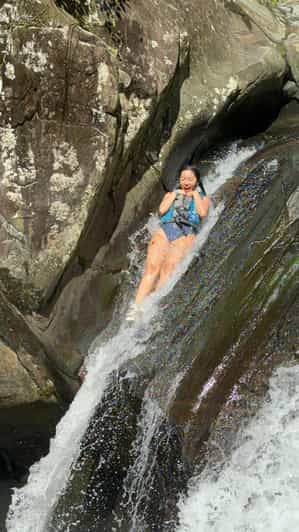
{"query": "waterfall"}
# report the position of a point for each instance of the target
(225, 164)
(139, 474)
(257, 489)
(32, 505)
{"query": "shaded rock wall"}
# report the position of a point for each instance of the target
(29, 397)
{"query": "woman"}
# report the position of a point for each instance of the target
(181, 212)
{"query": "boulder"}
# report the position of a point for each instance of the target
(56, 119)
(30, 404)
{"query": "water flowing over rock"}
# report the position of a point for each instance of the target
(96, 117)
(231, 304)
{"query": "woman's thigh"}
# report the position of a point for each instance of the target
(157, 250)
(178, 249)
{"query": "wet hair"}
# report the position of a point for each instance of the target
(196, 172)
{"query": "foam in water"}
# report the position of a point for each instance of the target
(257, 491)
(223, 169)
(139, 474)
(32, 505)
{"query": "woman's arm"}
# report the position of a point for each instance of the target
(201, 204)
(166, 202)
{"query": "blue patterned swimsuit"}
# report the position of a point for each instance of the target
(182, 218)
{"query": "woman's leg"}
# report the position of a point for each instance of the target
(178, 249)
(157, 249)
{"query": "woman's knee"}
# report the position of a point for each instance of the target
(172, 260)
(152, 268)
(167, 267)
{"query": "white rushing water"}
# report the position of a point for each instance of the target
(257, 490)
(224, 165)
(32, 505)
(138, 479)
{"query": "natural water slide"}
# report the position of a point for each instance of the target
(141, 425)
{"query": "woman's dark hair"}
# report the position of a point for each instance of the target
(196, 172)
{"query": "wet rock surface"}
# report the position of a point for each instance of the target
(249, 393)
(231, 320)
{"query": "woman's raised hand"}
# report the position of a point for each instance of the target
(167, 202)
(202, 204)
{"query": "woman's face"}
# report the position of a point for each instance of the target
(188, 180)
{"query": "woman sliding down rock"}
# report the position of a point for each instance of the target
(181, 213)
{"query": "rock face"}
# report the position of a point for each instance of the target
(93, 120)
(237, 321)
(71, 120)
(58, 128)
(66, 142)
(30, 404)
(171, 81)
